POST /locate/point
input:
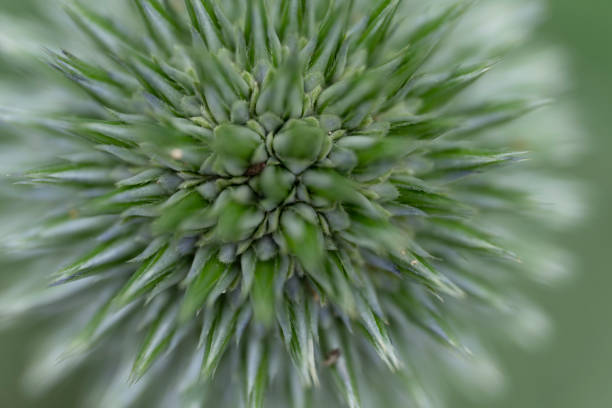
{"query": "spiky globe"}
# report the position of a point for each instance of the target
(282, 180)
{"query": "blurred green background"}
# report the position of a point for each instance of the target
(574, 370)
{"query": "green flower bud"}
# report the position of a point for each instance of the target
(299, 144)
(236, 147)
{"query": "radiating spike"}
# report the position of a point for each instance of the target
(341, 359)
(256, 33)
(328, 42)
(218, 338)
(228, 30)
(291, 20)
(104, 32)
(256, 372)
(262, 293)
(104, 255)
(157, 341)
(423, 41)
(159, 24)
(199, 289)
(151, 272)
(155, 82)
(203, 17)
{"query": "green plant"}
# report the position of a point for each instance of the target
(284, 181)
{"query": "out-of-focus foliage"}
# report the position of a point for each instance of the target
(276, 197)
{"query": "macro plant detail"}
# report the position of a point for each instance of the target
(284, 182)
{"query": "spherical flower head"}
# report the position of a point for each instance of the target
(283, 181)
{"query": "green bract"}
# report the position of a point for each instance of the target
(282, 181)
